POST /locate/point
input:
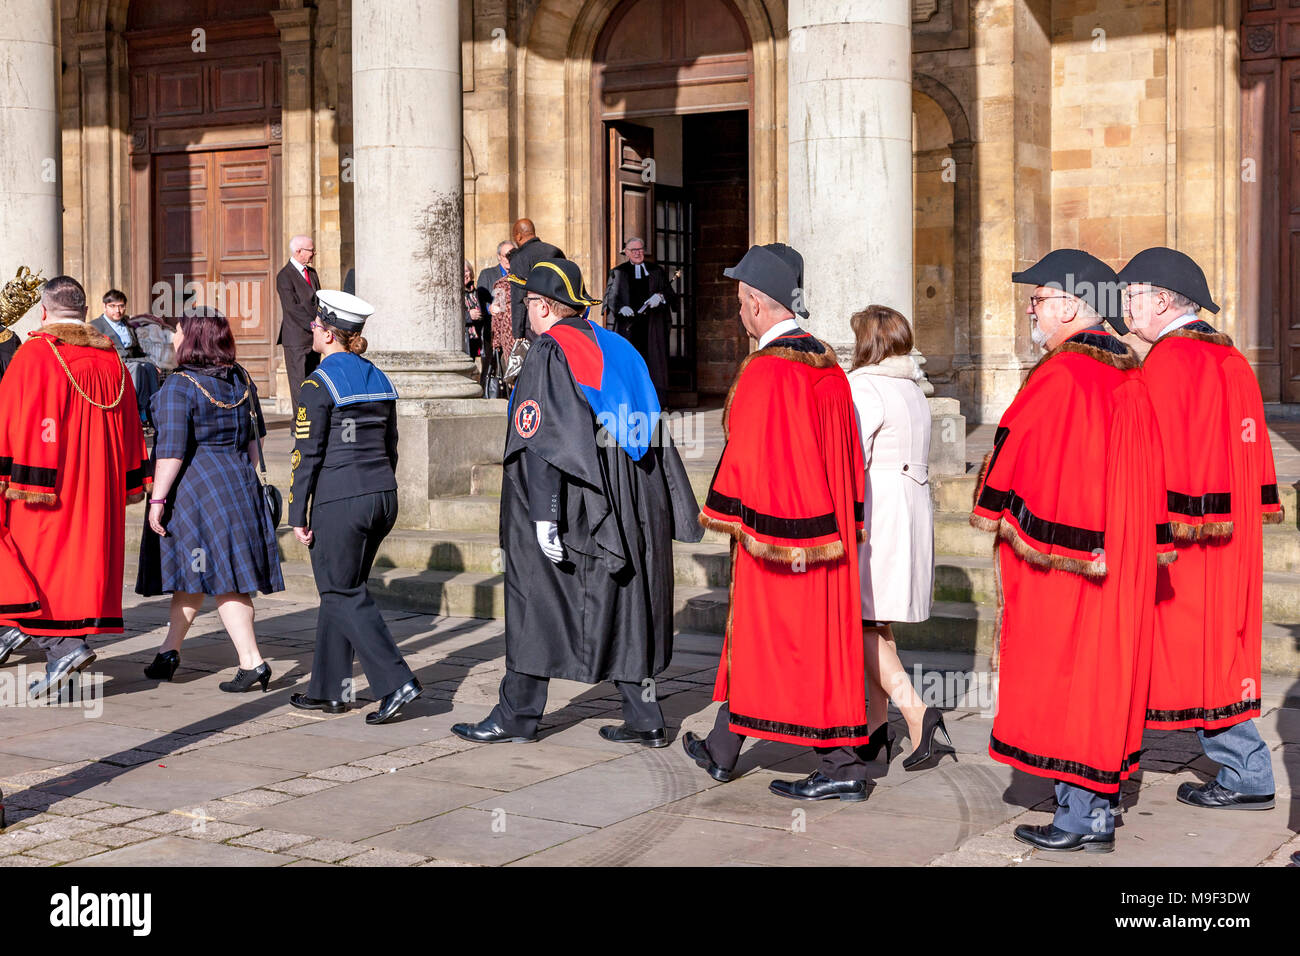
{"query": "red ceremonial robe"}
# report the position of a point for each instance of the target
(1218, 466)
(1074, 491)
(789, 490)
(72, 454)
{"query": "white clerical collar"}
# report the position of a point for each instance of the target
(639, 270)
(1178, 323)
(781, 328)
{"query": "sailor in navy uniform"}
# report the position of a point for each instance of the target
(344, 461)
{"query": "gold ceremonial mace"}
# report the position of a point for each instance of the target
(18, 295)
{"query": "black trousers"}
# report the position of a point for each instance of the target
(347, 534)
(838, 763)
(299, 362)
(523, 700)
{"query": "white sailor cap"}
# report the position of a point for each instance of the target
(341, 310)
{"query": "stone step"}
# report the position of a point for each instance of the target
(953, 535)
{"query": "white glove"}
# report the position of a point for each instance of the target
(626, 311)
(655, 301)
(548, 539)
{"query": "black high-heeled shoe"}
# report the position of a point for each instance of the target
(164, 665)
(244, 680)
(927, 752)
(880, 737)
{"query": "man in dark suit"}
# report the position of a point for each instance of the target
(641, 299)
(493, 274)
(529, 250)
(144, 374)
(297, 285)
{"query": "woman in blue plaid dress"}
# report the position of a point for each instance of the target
(209, 530)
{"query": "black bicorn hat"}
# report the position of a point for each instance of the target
(1082, 275)
(1172, 270)
(558, 279)
(776, 269)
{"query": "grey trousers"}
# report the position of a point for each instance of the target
(1084, 811)
(1246, 766)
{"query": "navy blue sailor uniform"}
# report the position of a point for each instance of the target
(345, 489)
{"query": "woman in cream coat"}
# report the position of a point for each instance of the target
(897, 559)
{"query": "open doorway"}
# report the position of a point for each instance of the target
(681, 183)
(672, 94)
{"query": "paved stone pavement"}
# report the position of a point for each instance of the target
(181, 774)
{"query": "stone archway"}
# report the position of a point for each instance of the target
(557, 45)
(946, 139)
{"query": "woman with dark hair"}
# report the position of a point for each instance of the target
(897, 558)
(208, 530)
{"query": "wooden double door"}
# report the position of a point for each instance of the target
(213, 226)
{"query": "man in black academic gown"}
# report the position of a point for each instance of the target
(593, 496)
(641, 300)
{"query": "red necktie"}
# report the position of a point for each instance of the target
(307, 275)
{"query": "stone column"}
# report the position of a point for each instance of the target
(408, 179)
(409, 191)
(850, 129)
(30, 167)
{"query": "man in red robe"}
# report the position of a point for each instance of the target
(789, 491)
(72, 455)
(1073, 491)
(1222, 488)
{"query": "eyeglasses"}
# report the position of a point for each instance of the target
(1036, 300)
(317, 325)
(1128, 296)
(532, 298)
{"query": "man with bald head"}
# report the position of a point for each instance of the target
(297, 285)
(529, 250)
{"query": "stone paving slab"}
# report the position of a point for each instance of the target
(181, 774)
(365, 808)
(178, 782)
(508, 767)
(177, 851)
(483, 837)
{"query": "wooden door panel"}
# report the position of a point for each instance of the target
(631, 185)
(214, 213)
(242, 239)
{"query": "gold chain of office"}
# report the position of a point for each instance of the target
(208, 395)
(121, 388)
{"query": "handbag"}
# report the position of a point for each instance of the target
(270, 494)
(492, 387)
(515, 364)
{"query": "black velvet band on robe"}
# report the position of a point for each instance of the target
(605, 612)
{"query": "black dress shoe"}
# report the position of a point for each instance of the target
(392, 703)
(818, 786)
(303, 702)
(624, 734)
(488, 731)
(1215, 796)
(10, 641)
(1052, 837)
(697, 751)
(164, 665)
(247, 680)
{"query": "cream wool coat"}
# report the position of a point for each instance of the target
(897, 559)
